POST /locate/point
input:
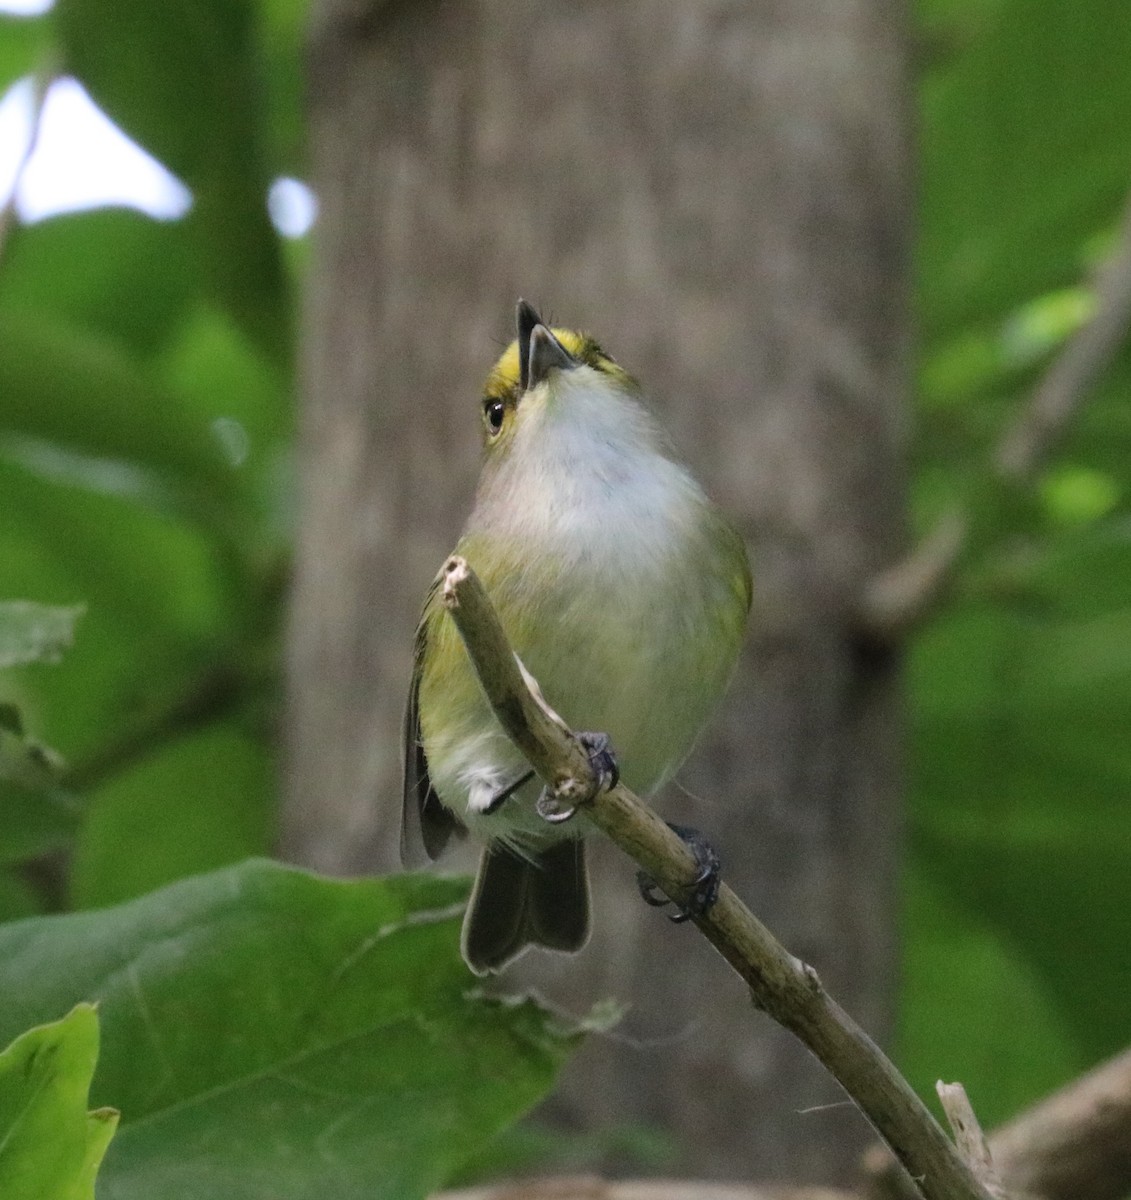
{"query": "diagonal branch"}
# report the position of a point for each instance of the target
(781, 985)
(899, 598)
(1065, 385)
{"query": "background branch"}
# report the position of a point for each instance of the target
(1076, 1143)
(1065, 385)
(781, 985)
(900, 597)
(1072, 1145)
(217, 690)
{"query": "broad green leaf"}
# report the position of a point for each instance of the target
(1040, 326)
(1022, 769)
(17, 898)
(24, 42)
(1025, 155)
(266, 1032)
(1077, 495)
(162, 608)
(31, 632)
(65, 385)
(36, 814)
(973, 1008)
(112, 271)
(284, 24)
(34, 820)
(183, 79)
(217, 373)
(50, 1145)
(202, 801)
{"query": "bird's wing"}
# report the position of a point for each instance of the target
(426, 825)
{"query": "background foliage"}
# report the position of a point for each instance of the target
(1020, 688)
(146, 392)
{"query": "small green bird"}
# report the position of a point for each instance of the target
(625, 593)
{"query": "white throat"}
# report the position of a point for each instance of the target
(588, 469)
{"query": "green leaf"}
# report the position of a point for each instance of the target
(161, 607)
(222, 785)
(67, 386)
(266, 1032)
(1043, 324)
(973, 1008)
(284, 38)
(1019, 819)
(111, 271)
(23, 45)
(1077, 495)
(1026, 155)
(32, 632)
(183, 79)
(50, 1145)
(17, 898)
(218, 373)
(33, 820)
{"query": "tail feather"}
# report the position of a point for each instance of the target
(539, 900)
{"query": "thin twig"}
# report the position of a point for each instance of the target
(968, 1136)
(781, 985)
(211, 695)
(1072, 1145)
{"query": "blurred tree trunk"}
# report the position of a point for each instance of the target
(719, 190)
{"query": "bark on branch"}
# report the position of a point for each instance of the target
(781, 985)
(968, 1136)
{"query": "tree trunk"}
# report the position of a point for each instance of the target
(718, 190)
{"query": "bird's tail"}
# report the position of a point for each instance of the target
(541, 899)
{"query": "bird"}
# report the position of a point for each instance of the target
(625, 593)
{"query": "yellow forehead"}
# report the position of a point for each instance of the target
(506, 371)
(506, 375)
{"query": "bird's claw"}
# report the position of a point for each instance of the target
(704, 888)
(548, 808)
(603, 763)
(602, 759)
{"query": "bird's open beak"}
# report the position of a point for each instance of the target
(539, 352)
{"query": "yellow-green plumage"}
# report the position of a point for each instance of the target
(623, 590)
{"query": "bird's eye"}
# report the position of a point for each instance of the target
(493, 412)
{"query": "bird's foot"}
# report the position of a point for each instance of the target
(602, 760)
(704, 888)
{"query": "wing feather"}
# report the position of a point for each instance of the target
(426, 825)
